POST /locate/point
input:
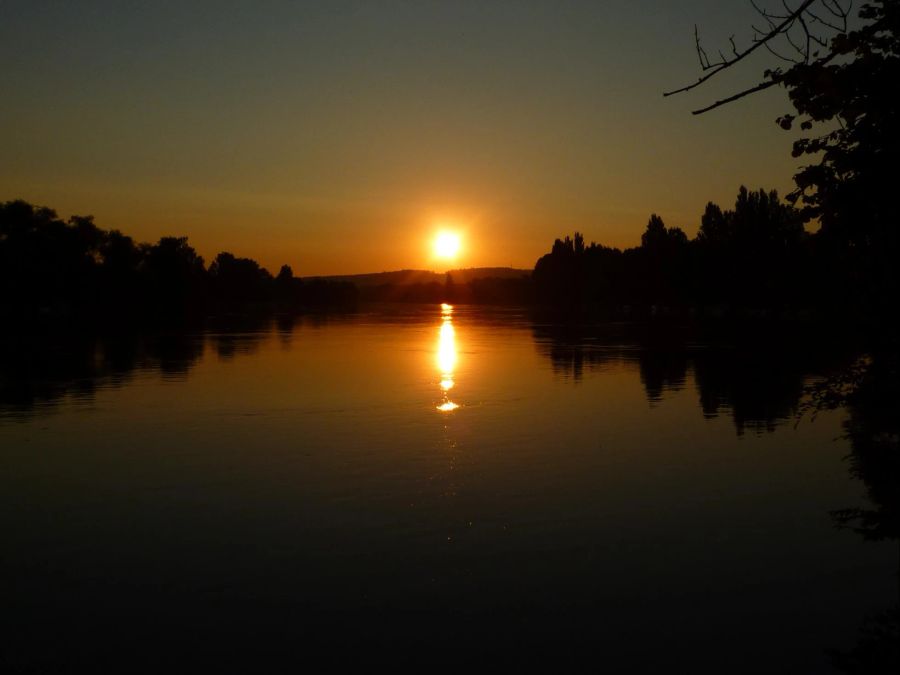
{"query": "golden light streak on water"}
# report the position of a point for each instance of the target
(447, 357)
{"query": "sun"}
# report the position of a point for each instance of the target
(446, 245)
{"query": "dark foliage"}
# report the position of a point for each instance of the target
(849, 189)
(841, 83)
(756, 256)
(50, 268)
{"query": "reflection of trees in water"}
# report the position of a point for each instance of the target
(241, 339)
(662, 371)
(759, 385)
(37, 374)
(38, 371)
(871, 396)
(760, 388)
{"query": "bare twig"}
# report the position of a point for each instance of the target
(793, 26)
(752, 90)
(832, 26)
(742, 55)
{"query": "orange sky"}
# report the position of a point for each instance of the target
(336, 138)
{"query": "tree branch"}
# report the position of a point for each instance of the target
(723, 65)
(735, 97)
(793, 27)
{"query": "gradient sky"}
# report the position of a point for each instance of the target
(333, 136)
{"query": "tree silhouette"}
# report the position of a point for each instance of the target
(285, 274)
(754, 256)
(50, 269)
(841, 84)
(843, 91)
(657, 237)
(755, 251)
(239, 279)
(176, 275)
(814, 20)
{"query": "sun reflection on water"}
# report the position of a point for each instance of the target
(446, 357)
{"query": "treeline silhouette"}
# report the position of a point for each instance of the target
(756, 258)
(55, 268)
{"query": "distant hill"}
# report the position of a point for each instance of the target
(410, 277)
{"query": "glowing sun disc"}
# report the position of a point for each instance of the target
(446, 245)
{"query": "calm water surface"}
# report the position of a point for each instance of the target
(426, 484)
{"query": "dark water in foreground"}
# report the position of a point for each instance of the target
(426, 486)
